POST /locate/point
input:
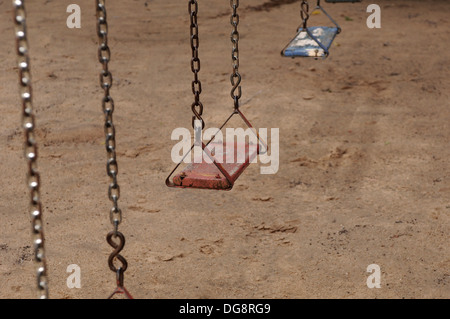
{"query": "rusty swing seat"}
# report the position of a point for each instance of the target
(218, 172)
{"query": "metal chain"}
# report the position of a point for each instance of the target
(304, 13)
(112, 169)
(235, 76)
(195, 64)
(30, 146)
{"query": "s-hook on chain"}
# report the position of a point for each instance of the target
(30, 146)
(235, 76)
(112, 169)
(195, 64)
(304, 13)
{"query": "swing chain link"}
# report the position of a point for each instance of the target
(235, 76)
(195, 63)
(304, 13)
(30, 146)
(106, 82)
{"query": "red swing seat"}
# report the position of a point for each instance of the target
(217, 174)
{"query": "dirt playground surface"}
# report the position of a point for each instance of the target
(364, 175)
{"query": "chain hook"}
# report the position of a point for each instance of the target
(304, 13)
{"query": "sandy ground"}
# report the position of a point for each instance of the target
(364, 176)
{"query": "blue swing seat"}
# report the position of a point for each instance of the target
(303, 45)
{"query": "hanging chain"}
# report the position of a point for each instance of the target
(106, 81)
(195, 64)
(30, 146)
(235, 76)
(304, 13)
